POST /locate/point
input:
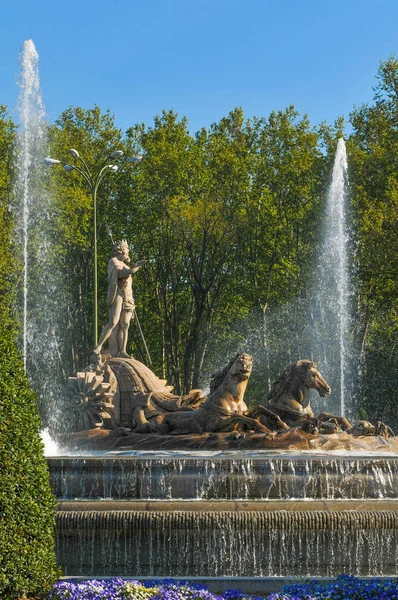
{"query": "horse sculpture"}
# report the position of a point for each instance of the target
(147, 406)
(223, 410)
(289, 397)
(289, 405)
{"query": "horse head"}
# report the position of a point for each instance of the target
(291, 391)
(239, 369)
(311, 377)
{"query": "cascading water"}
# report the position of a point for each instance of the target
(331, 325)
(226, 515)
(226, 478)
(31, 139)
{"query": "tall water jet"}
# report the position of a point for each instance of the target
(333, 286)
(40, 303)
(30, 146)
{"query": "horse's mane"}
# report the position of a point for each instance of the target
(218, 377)
(291, 375)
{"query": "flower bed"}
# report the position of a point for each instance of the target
(119, 589)
(345, 587)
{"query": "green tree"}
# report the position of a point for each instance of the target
(182, 216)
(7, 141)
(227, 221)
(145, 209)
(209, 223)
(27, 506)
(373, 150)
(279, 224)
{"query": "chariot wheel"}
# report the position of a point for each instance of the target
(94, 400)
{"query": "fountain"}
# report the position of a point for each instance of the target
(274, 493)
(39, 303)
(226, 515)
(196, 486)
(333, 287)
(30, 143)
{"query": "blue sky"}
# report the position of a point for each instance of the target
(200, 57)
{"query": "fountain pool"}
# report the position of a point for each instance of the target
(226, 514)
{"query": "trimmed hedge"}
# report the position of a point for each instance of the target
(27, 506)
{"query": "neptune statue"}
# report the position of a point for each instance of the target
(120, 301)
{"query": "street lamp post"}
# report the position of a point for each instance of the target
(93, 180)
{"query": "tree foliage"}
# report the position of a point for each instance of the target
(373, 148)
(7, 140)
(27, 506)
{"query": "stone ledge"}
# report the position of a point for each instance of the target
(348, 520)
(228, 505)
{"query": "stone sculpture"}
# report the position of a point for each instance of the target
(290, 393)
(93, 392)
(131, 408)
(124, 393)
(120, 302)
(119, 398)
(141, 396)
(365, 428)
(125, 396)
(289, 398)
(224, 408)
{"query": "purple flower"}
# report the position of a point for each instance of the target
(345, 587)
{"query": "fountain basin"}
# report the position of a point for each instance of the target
(233, 476)
(227, 543)
(253, 515)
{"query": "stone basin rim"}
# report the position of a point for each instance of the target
(218, 456)
(177, 504)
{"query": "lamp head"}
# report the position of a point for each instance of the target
(135, 159)
(51, 161)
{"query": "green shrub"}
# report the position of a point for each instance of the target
(27, 506)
